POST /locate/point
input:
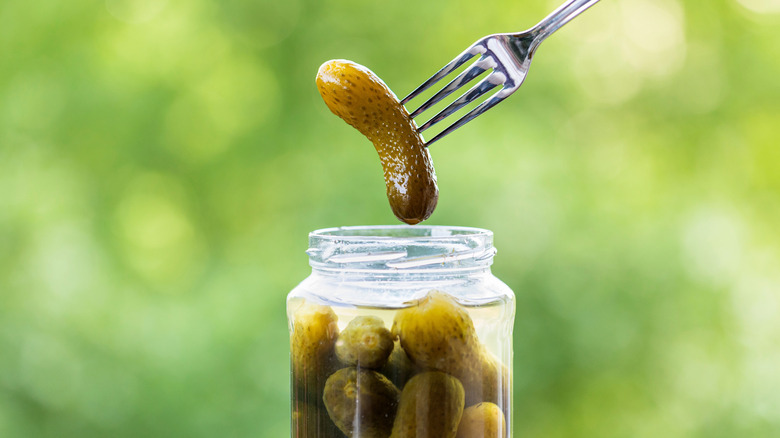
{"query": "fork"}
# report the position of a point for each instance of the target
(507, 54)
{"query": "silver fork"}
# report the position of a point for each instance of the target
(507, 54)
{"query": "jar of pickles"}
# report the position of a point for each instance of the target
(401, 331)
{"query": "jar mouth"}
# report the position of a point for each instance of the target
(401, 247)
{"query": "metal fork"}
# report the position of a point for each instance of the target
(507, 54)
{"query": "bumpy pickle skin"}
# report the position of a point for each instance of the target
(362, 99)
(365, 342)
(314, 333)
(438, 334)
(362, 403)
(483, 420)
(431, 406)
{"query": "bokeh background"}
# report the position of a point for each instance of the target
(162, 161)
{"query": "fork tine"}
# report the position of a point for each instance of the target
(485, 85)
(465, 77)
(446, 70)
(484, 106)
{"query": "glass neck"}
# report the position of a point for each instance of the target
(393, 251)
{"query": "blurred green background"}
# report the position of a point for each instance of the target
(161, 163)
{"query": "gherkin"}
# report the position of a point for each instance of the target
(365, 342)
(362, 403)
(483, 420)
(363, 100)
(431, 406)
(437, 333)
(314, 331)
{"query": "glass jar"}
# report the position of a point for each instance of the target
(401, 331)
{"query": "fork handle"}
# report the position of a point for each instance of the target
(559, 17)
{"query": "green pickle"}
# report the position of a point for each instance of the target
(438, 334)
(362, 403)
(431, 406)
(314, 330)
(314, 333)
(483, 420)
(365, 342)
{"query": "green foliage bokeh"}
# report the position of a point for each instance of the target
(161, 163)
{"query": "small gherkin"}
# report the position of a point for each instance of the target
(363, 100)
(314, 329)
(483, 420)
(437, 333)
(362, 403)
(431, 406)
(365, 342)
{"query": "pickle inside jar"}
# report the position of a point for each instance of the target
(436, 319)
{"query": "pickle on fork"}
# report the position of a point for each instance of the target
(360, 98)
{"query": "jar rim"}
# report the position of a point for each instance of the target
(415, 232)
(401, 248)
